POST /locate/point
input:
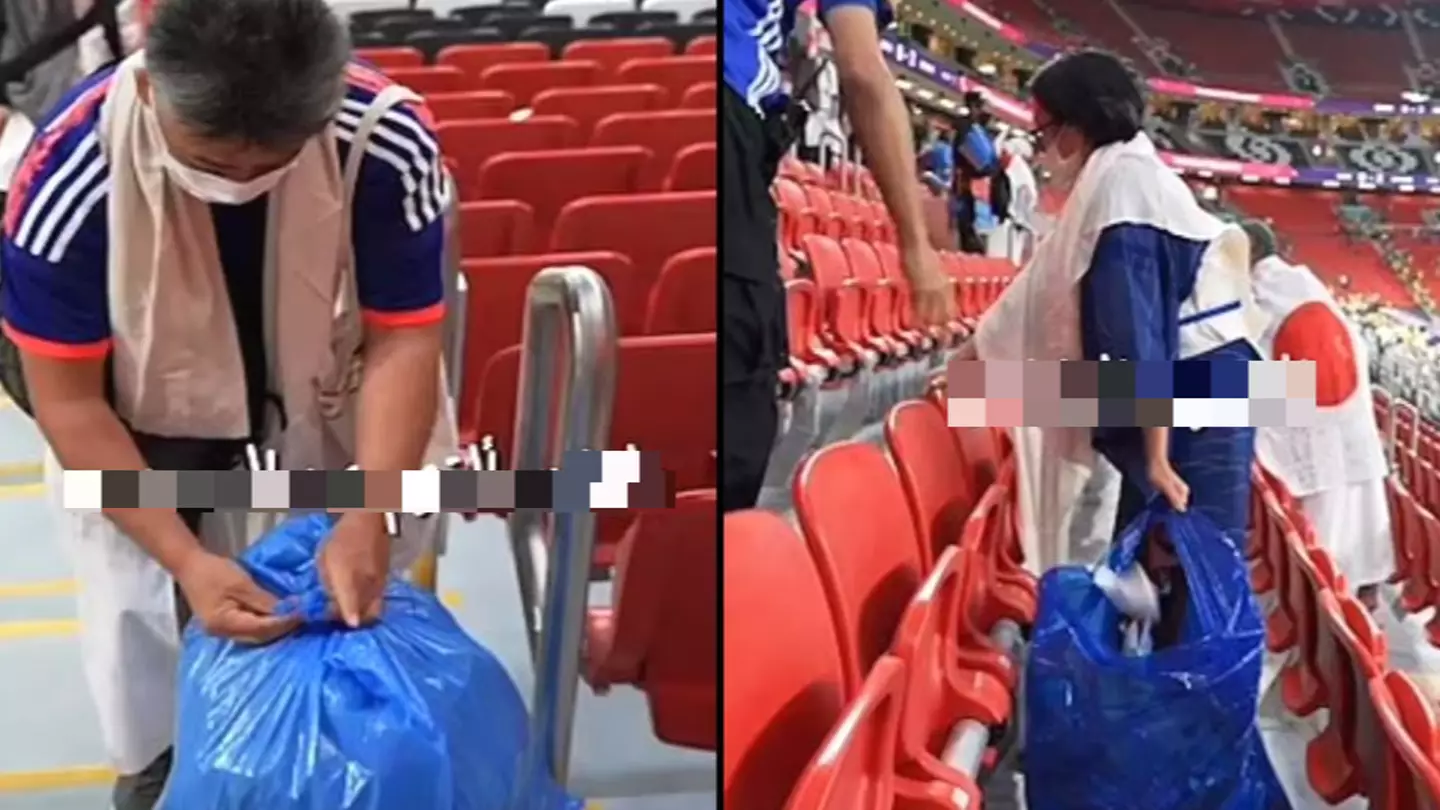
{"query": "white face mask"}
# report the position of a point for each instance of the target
(1062, 171)
(212, 188)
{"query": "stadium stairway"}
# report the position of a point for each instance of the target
(50, 752)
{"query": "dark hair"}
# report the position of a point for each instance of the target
(1092, 92)
(268, 72)
(1263, 243)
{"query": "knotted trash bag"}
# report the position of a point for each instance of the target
(1173, 729)
(406, 714)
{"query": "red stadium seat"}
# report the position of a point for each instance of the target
(847, 498)
(471, 144)
(701, 46)
(474, 60)
(1331, 759)
(386, 58)
(628, 224)
(587, 105)
(1309, 574)
(855, 767)
(610, 54)
(495, 228)
(663, 133)
(784, 682)
(880, 328)
(495, 307)
(694, 169)
(675, 73)
(548, 180)
(796, 217)
(431, 79)
(470, 105)
(938, 694)
(679, 423)
(940, 490)
(1363, 653)
(699, 97)
(683, 298)
(527, 80)
(843, 300)
(1412, 745)
(660, 635)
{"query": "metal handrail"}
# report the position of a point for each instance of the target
(568, 359)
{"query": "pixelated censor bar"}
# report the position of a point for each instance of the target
(1192, 394)
(587, 480)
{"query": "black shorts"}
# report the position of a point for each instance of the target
(753, 346)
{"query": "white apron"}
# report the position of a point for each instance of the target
(167, 299)
(1038, 318)
(1336, 465)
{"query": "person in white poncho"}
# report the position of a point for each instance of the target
(1335, 467)
(1133, 270)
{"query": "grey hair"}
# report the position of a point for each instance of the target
(264, 72)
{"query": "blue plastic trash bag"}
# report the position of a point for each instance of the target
(1170, 730)
(408, 714)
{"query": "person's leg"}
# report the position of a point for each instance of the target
(752, 331)
(141, 791)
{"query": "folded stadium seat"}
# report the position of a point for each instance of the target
(683, 298)
(802, 307)
(701, 46)
(844, 301)
(587, 105)
(495, 228)
(791, 168)
(385, 58)
(664, 403)
(627, 22)
(853, 516)
(797, 218)
(938, 694)
(858, 220)
(686, 10)
(1282, 625)
(430, 79)
(1362, 659)
(548, 180)
(496, 310)
(700, 96)
(980, 449)
(827, 220)
(649, 228)
(1412, 558)
(1331, 761)
(675, 73)
(781, 666)
(1270, 550)
(660, 634)
(1301, 689)
(664, 133)
(529, 79)
(854, 769)
(1428, 529)
(1412, 744)
(693, 169)
(471, 144)
(941, 491)
(881, 331)
(471, 105)
(474, 60)
(811, 174)
(610, 54)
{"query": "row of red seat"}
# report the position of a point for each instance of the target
(849, 177)
(1381, 739)
(474, 59)
(470, 145)
(525, 80)
(854, 647)
(587, 105)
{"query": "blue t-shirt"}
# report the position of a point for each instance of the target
(53, 300)
(754, 49)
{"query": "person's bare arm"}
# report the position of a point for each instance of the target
(1162, 475)
(85, 433)
(398, 397)
(877, 112)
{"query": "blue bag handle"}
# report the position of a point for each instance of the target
(1206, 555)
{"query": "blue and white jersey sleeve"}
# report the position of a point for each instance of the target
(54, 257)
(399, 210)
(1130, 297)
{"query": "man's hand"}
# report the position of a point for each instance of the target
(227, 602)
(354, 566)
(930, 287)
